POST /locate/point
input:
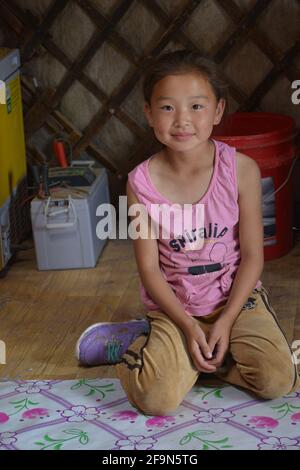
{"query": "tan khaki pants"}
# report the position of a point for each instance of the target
(157, 372)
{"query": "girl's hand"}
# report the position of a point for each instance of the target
(219, 340)
(199, 350)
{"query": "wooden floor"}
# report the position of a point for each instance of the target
(43, 313)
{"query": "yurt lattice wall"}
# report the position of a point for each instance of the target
(83, 60)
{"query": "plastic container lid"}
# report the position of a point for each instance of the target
(257, 129)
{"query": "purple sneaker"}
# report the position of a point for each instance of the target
(105, 343)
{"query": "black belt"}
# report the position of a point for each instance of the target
(208, 268)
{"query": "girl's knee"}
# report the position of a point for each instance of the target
(155, 401)
(271, 391)
(272, 382)
(269, 370)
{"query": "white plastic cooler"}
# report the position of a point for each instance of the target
(64, 227)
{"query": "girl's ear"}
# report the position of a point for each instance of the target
(219, 111)
(148, 113)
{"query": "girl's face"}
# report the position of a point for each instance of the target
(183, 111)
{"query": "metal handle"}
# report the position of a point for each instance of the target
(60, 211)
(63, 225)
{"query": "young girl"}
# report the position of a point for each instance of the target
(208, 310)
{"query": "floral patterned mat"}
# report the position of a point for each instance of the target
(95, 414)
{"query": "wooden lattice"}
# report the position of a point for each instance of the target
(31, 33)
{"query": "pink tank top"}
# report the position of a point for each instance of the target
(201, 279)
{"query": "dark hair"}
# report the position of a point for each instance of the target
(183, 61)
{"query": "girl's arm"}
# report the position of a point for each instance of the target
(147, 259)
(250, 236)
(251, 246)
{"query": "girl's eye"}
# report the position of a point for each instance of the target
(197, 106)
(166, 107)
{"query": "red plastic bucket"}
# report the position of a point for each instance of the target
(269, 139)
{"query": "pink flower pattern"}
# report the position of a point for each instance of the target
(3, 418)
(295, 417)
(159, 421)
(263, 422)
(125, 415)
(35, 413)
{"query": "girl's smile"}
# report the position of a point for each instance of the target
(182, 136)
